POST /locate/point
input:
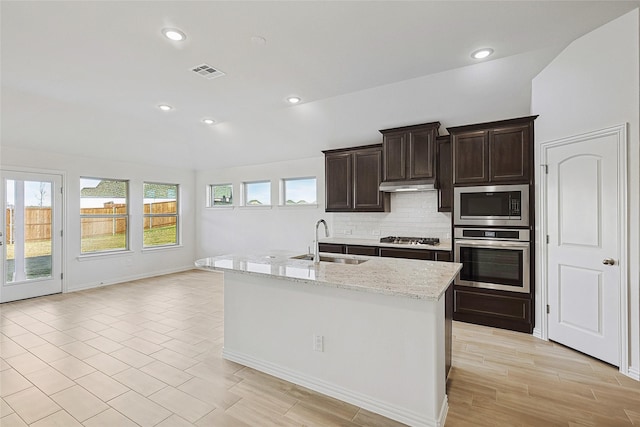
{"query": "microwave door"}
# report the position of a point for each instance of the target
(485, 205)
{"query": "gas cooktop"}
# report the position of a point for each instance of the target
(410, 240)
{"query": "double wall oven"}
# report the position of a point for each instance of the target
(492, 241)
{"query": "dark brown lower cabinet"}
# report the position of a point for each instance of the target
(362, 250)
(408, 253)
(331, 248)
(493, 308)
(424, 254)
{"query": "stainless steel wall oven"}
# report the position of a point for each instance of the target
(493, 258)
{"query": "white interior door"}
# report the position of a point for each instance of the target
(583, 254)
(31, 235)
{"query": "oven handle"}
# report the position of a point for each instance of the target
(492, 243)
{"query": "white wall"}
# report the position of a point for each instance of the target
(591, 85)
(87, 272)
(258, 229)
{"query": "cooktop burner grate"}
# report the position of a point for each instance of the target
(410, 240)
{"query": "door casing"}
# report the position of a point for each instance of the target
(63, 211)
(542, 329)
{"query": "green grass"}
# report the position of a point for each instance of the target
(160, 236)
(153, 237)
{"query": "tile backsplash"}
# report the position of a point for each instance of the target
(411, 214)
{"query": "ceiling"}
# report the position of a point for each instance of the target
(85, 78)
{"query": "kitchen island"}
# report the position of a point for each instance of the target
(366, 330)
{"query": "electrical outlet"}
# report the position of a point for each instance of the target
(375, 232)
(318, 343)
(348, 231)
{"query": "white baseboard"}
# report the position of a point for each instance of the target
(537, 333)
(130, 278)
(355, 398)
(633, 373)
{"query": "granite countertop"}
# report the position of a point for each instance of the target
(445, 245)
(417, 279)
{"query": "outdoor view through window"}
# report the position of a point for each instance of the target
(104, 215)
(220, 195)
(299, 191)
(160, 214)
(28, 230)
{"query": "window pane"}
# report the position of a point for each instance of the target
(221, 195)
(161, 235)
(102, 194)
(103, 234)
(103, 215)
(160, 198)
(300, 191)
(257, 193)
(28, 230)
(160, 214)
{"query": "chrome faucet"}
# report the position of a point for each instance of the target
(316, 253)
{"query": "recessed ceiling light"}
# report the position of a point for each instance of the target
(208, 121)
(482, 53)
(165, 107)
(174, 34)
(294, 99)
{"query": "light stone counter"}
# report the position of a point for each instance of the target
(444, 245)
(425, 280)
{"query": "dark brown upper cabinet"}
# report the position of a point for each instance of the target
(409, 152)
(494, 152)
(444, 174)
(352, 180)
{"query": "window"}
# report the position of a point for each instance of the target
(299, 191)
(160, 215)
(257, 193)
(220, 195)
(104, 215)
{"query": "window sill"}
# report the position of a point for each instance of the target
(152, 249)
(110, 254)
(219, 207)
(308, 206)
(256, 207)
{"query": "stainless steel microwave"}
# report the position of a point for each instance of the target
(491, 205)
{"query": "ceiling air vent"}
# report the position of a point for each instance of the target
(207, 71)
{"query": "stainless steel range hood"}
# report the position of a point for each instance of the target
(400, 186)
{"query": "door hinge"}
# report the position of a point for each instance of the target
(547, 239)
(546, 169)
(61, 276)
(61, 190)
(61, 233)
(548, 309)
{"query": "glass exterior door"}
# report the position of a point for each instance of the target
(31, 235)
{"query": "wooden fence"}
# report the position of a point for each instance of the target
(38, 220)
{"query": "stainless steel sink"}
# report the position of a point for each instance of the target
(324, 258)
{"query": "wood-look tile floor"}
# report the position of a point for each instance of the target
(148, 353)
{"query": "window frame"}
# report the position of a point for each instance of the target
(210, 196)
(150, 215)
(244, 194)
(125, 216)
(283, 191)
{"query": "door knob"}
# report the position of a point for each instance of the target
(609, 261)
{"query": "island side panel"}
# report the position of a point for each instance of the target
(383, 353)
